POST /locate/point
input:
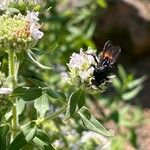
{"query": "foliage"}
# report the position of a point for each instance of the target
(39, 109)
(125, 117)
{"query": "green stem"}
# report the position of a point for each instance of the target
(12, 85)
(53, 116)
(11, 68)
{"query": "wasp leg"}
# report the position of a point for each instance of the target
(92, 65)
(94, 56)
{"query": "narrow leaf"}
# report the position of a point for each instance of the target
(101, 3)
(31, 56)
(134, 83)
(43, 52)
(90, 30)
(27, 93)
(36, 83)
(91, 123)
(131, 94)
(116, 83)
(122, 74)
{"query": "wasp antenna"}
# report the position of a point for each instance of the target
(107, 44)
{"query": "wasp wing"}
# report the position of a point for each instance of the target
(110, 52)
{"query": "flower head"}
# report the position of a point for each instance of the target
(19, 32)
(82, 68)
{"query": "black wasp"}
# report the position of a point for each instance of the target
(104, 63)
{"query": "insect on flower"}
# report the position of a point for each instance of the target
(104, 63)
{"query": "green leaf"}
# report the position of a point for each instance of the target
(132, 136)
(18, 143)
(56, 94)
(12, 10)
(29, 130)
(36, 83)
(42, 140)
(117, 84)
(2, 53)
(131, 94)
(3, 136)
(20, 109)
(91, 123)
(122, 74)
(32, 57)
(134, 83)
(27, 93)
(8, 116)
(42, 104)
(20, 106)
(102, 3)
(129, 117)
(75, 103)
(118, 143)
(38, 51)
(90, 30)
(25, 136)
(20, 56)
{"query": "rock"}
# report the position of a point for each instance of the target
(126, 23)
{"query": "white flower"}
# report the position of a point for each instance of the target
(77, 60)
(80, 66)
(34, 26)
(32, 17)
(81, 60)
(58, 144)
(102, 142)
(84, 75)
(35, 32)
(3, 4)
(6, 90)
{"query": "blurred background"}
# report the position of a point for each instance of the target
(69, 25)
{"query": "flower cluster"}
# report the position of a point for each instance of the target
(19, 32)
(81, 71)
(80, 68)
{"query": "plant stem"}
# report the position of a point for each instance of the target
(54, 115)
(12, 85)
